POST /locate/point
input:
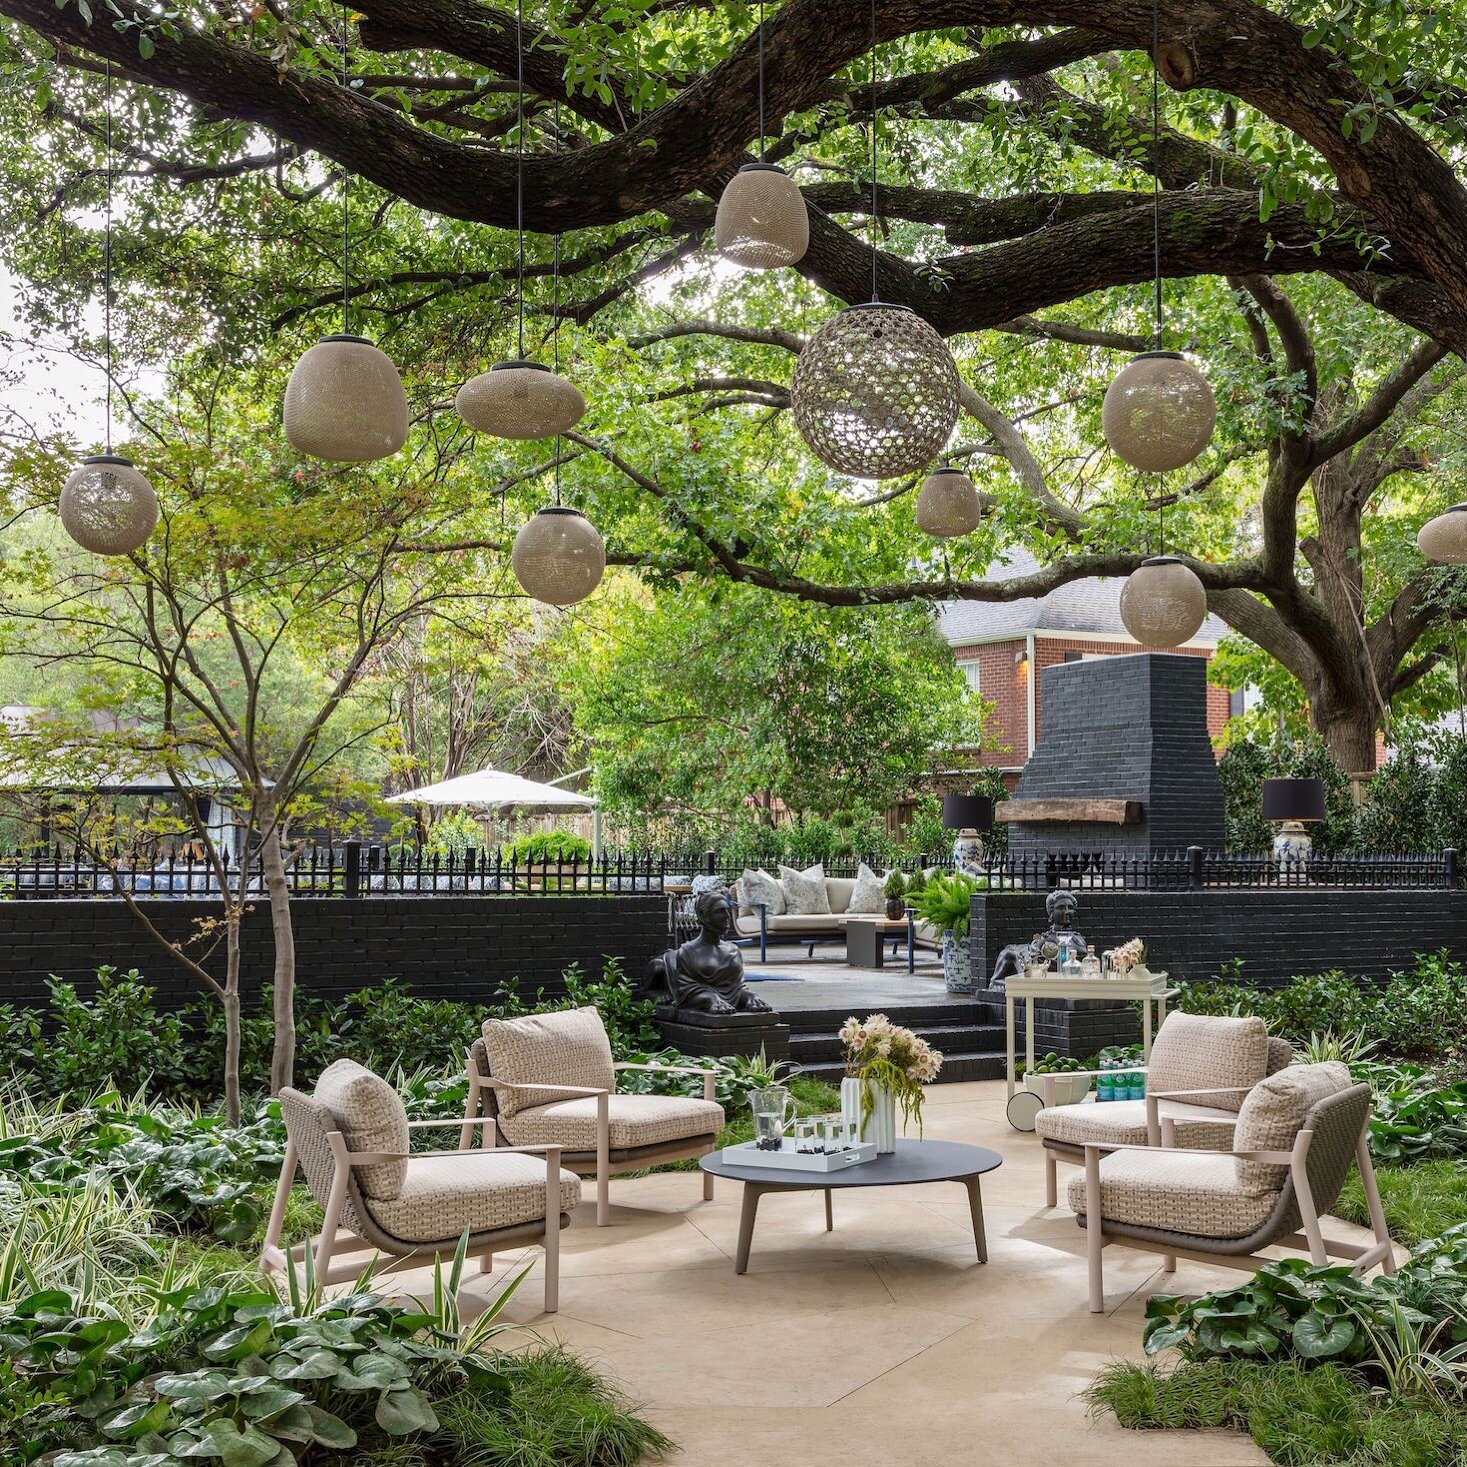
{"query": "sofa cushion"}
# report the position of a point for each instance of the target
(1274, 1111)
(1123, 1122)
(838, 893)
(804, 891)
(370, 1116)
(868, 892)
(1195, 1051)
(568, 1048)
(756, 887)
(633, 1120)
(1184, 1193)
(478, 1190)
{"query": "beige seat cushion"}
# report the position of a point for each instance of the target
(1123, 1122)
(635, 1120)
(1275, 1110)
(806, 922)
(568, 1048)
(1195, 1051)
(370, 1116)
(1199, 1194)
(444, 1194)
(838, 892)
(927, 935)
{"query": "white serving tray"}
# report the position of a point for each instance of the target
(788, 1159)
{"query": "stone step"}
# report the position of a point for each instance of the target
(822, 1045)
(914, 1016)
(981, 1065)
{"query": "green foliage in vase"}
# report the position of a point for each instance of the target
(946, 901)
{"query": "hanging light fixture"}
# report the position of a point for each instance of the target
(344, 401)
(948, 504)
(875, 389)
(1444, 539)
(106, 505)
(762, 222)
(1163, 604)
(1159, 412)
(520, 399)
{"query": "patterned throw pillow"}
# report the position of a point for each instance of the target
(868, 895)
(759, 886)
(804, 891)
(568, 1048)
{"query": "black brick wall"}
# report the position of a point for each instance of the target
(464, 947)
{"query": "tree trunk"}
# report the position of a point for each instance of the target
(272, 866)
(230, 1004)
(1348, 727)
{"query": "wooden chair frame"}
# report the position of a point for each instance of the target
(603, 1168)
(333, 1237)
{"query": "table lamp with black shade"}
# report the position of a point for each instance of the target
(1291, 805)
(969, 815)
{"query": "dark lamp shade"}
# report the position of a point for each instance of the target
(967, 812)
(1293, 799)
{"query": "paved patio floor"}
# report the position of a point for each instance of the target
(881, 1344)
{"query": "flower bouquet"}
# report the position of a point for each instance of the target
(886, 1065)
(1128, 955)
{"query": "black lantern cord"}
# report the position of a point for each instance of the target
(345, 195)
(107, 244)
(555, 295)
(874, 295)
(761, 80)
(519, 166)
(1156, 162)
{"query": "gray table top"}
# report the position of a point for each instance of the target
(911, 1162)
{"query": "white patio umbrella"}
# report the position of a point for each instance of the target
(493, 789)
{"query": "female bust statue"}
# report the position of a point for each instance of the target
(705, 975)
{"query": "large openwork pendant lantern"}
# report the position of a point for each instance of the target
(107, 506)
(875, 392)
(1444, 539)
(1159, 412)
(559, 556)
(344, 402)
(948, 504)
(1163, 604)
(520, 399)
(762, 222)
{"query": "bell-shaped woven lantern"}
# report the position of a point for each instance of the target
(1159, 412)
(520, 399)
(559, 556)
(1163, 604)
(1444, 539)
(875, 392)
(948, 504)
(107, 506)
(762, 222)
(344, 402)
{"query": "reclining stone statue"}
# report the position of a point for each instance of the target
(704, 978)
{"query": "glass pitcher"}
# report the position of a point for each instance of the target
(771, 1109)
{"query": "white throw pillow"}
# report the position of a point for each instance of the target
(869, 893)
(804, 891)
(756, 887)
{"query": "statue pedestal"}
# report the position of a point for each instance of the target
(721, 1034)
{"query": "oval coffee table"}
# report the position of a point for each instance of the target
(913, 1162)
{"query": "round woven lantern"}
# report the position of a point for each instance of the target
(1444, 539)
(520, 400)
(107, 507)
(875, 392)
(344, 402)
(948, 504)
(559, 556)
(762, 222)
(1163, 604)
(1159, 412)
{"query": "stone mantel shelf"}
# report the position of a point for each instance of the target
(1084, 811)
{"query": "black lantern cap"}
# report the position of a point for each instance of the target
(967, 812)
(1293, 799)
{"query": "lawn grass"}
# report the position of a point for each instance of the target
(1301, 1417)
(1421, 1201)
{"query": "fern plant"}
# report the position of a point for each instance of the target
(945, 901)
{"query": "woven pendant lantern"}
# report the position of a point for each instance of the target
(1159, 412)
(1163, 604)
(762, 222)
(107, 506)
(559, 556)
(520, 399)
(1444, 539)
(875, 392)
(344, 402)
(948, 504)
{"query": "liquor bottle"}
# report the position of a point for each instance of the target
(1090, 968)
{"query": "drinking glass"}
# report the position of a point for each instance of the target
(809, 1136)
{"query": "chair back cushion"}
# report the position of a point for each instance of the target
(568, 1048)
(804, 891)
(868, 892)
(1196, 1051)
(838, 893)
(370, 1116)
(1280, 1055)
(760, 888)
(1274, 1113)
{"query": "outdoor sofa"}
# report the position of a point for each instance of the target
(754, 921)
